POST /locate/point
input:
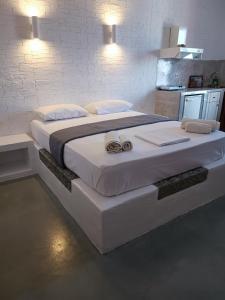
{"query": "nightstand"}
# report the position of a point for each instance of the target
(16, 156)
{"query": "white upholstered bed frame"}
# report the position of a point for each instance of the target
(110, 222)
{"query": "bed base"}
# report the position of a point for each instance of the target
(110, 222)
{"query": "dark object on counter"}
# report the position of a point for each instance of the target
(195, 81)
(214, 80)
(222, 117)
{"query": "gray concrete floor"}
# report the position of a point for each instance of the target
(44, 254)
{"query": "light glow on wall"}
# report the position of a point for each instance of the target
(32, 11)
(32, 8)
(38, 48)
(111, 14)
(111, 20)
(112, 50)
(113, 54)
(35, 46)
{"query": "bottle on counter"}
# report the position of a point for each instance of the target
(214, 80)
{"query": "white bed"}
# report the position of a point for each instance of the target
(114, 174)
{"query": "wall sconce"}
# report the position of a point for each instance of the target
(35, 27)
(110, 34)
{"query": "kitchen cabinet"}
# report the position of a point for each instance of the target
(190, 103)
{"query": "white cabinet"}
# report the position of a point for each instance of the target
(193, 106)
(212, 106)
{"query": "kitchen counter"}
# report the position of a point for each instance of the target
(201, 90)
(196, 90)
(195, 103)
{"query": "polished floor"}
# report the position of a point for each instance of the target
(44, 254)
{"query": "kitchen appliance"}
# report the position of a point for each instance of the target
(200, 105)
(193, 106)
(177, 48)
(171, 87)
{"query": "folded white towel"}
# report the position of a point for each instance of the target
(213, 123)
(162, 138)
(126, 143)
(112, 142)
(200, 128)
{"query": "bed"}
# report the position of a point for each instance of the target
(112, 175)
(115, 192)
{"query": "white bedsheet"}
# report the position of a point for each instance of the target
(113, 174)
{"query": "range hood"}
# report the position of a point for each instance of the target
(178, 47)
(181, 53)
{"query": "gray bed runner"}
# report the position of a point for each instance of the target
(59, 138)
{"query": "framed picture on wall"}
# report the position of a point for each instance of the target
(195, 81)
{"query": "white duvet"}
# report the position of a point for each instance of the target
(113, 174)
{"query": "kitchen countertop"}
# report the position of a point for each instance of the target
(201, 90)
(204, 89)
(197, 90)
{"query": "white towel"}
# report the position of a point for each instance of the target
(112, 142)
(126, 143)
(200, 128)
(162, 138)
(213, 123)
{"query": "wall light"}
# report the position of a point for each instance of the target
(35, 27)
(110, 34)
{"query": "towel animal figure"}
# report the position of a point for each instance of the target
(125, 143)
(114, 143)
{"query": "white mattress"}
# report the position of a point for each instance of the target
(113, 174)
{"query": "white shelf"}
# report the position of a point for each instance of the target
(18, 141)
(16, 153)
(15, 171)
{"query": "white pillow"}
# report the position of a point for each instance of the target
(60, 112)
(108, 107)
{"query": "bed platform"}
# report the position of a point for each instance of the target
(110, 222)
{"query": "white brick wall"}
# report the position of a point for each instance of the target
(73, 65)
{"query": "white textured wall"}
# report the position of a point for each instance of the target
(73, 65)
